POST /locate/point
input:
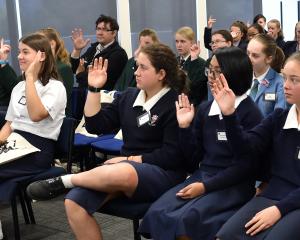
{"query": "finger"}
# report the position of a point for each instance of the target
(224, 81)
(253, 227)
(96, 63)
(251, 222)
(192, 108)
(105, 65)
(198, 44)
(81, 61)
(177, 106)
(180, 100)
(185, 101)
(259, 229)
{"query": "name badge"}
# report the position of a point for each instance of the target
(221, 136)
(270, 96)
(143, 119)
(22, 100)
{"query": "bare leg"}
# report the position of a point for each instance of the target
(83, 224)
(112, 178)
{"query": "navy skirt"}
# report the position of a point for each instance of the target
(30, 164)
(198, 218)
(286, 228)
(153, 181)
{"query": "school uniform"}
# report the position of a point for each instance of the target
(127, 78)
(8, 80)
(41, 134)
(198, 81)
(280, 42)
(289, 48)
(150, 129)
(228, 181)
(270, 94)
(278, 135)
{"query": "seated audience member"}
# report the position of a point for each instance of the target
(8, 77)
(275, 31)
(63, 65)
(219, 39)
(191, 63)
(267, 86)
(261, 20)
(238, 30)
(198, 207)
(151, 160)
(106, 47)
(127, 79)
(293, 46)
(253, 30)
(274, 214)
(278, 60)
(36, 108)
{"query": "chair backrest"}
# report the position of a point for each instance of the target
(64, 144)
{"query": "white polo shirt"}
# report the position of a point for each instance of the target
(54, 99)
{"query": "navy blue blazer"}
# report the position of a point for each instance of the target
(289, 48)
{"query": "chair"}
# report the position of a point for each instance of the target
(16, 188)
(111, 146)
(125, 208)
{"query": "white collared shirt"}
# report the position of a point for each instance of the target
(259, 79)
(292, 119)
(141, 97)
(215, 110)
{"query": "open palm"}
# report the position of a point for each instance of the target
(184, 111)
(78, 39)
(223, 95)
(97, 74)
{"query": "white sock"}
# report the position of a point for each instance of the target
(66, 179)
(1, 233)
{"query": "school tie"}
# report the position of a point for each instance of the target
(99, 49)
(254, 89)
(181, 63)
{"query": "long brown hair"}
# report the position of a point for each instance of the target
(162, 57)
(39, 42)
(61, 52)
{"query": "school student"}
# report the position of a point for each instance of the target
(191, 63)
(267, 86)
(151, 160)
(275, 213)
(275, 31)
(198, 207)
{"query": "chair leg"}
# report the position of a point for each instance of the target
(15, 218)
(23, 206)
(136, 224)
(29, 208)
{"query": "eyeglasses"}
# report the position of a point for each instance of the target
(216, 42)
(104, 30)
(215, 73)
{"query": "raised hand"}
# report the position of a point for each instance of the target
(195, 51)
(78, 40)
(4, 50)
(184, 111)
(97, 74)
(192, 190)
(34, 68)
(210, 22)
(81, 67)
(263, 220)
(223, 95)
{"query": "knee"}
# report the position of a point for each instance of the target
(74, 211)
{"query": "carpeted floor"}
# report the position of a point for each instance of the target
(51, 223)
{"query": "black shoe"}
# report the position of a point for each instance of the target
(46, 189)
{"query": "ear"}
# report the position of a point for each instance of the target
(43, 56)
(269, 59)
(162, 74)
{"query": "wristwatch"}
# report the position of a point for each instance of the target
(93, 89)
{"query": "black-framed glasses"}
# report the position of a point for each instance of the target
(104, 29)
(214, 72)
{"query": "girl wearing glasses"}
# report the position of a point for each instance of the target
(198, 207)
(274, 214)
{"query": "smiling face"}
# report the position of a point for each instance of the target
(147, 78)
(183, 45)
(26, 56)
(291, 76)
